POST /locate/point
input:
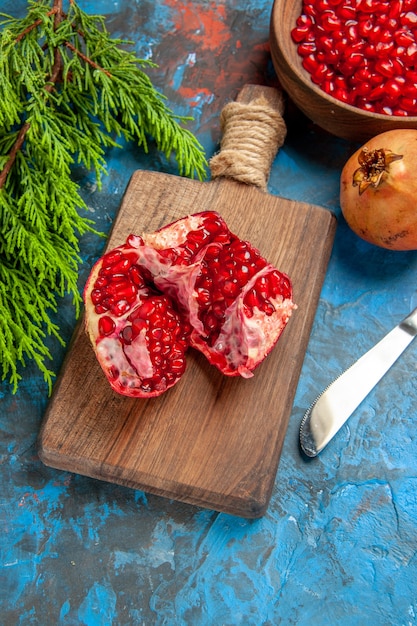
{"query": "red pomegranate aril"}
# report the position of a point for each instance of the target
(346, 12)
(395, 9)
(409, 19)
(127, 334)
(96, 296)
(177, 365)
(341, 46)
(403, 37)
(384, 33)
(410, 90)
(325, 44)
(268, 308)
(409, 105)
(252, 299)
(136, 276)
(384, 48)
(310, 64)
(386, 67)
(120, 308)
(329, 21)
(320, 74)
(306, 48)
(411, 53)
(365, 26)
(342, 95)
(399, 112)
(304, 20)
(386, 110)
(366, 6)
(393, 92)
(231, 289)
(352, 63)
(309, 9)
(132, 315)
(362, 90)
(366, 105)
(122, 289)
(299, 33)
(384, 36)
(106, 325)
(377, 92)
(352, 32)
(328, 86)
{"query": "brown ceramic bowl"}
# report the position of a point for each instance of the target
(330, 114)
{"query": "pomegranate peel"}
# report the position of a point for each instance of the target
(378, 190)
(192, 283)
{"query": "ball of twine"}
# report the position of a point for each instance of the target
(252, 136)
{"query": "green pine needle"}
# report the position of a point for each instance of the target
(68, 91)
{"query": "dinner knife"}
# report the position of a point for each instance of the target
(337, 402)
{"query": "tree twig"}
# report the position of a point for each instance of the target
(86, 59)
(56, 70)
(35, 24)
(13, 152)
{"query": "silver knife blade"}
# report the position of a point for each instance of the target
(337, 402)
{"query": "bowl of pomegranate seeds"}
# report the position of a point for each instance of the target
(349, 65)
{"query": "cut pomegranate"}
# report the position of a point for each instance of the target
(139, 337)
(191, 283)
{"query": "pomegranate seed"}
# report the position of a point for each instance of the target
(409, 19)
(147, 309)
(386, 110)
(410, 90)
(148, 337)
(306, 48)
(138, 324)
(268, 308)
(106, 325)
(385, 67)
(252, 299)
(127, 334)
(393, 90)
(403, 37)
(395, 9)
(346, 12)
(348, 39)
(409, 105)
(136, 276)
(120, 308)
(400, 112)
(300, 33)
(96, 296)
(330, 22)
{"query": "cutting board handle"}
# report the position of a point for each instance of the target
(253, 131)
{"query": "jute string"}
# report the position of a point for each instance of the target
(252, 136)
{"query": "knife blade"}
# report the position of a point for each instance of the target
(324, 418)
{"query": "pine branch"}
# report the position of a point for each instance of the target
(68, 91)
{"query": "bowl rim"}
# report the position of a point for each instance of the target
(305, 78)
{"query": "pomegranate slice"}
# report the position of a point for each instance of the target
(244, 303)
(194, 283)
(138, 336)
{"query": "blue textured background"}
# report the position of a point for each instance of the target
(338, 543)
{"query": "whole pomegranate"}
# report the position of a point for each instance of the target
(378, 190)
(191, 283)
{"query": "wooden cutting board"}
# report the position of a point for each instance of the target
(211, 441)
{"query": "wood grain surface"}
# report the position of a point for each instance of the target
(211, 441)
